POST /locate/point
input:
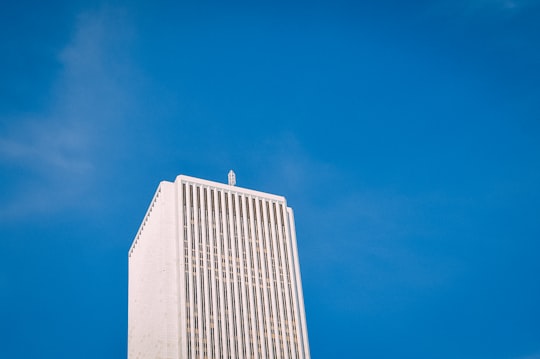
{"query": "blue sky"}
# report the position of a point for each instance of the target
(405, 135)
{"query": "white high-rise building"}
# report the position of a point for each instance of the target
(214, 273)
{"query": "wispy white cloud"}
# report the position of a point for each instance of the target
(59, 149)
(47, 146)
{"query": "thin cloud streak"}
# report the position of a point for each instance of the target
(48, 147)
(60, 149)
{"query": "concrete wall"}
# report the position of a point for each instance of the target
(153, 289)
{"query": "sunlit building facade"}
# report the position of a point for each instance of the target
(214, 273)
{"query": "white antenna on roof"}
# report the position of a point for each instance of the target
(232, 178)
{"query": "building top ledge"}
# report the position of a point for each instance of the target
(184, 178)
